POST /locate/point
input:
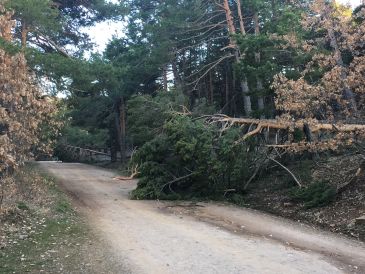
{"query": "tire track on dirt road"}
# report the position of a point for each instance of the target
(161, 237)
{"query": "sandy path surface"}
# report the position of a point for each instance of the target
(165, 237)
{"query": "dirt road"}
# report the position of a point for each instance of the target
(165, 237)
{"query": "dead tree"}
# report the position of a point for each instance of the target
(253, 127)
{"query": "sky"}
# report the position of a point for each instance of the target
(353, 3)
(102, 33)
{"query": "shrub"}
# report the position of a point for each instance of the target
(317, 194)
(22, 206)
(237, 199)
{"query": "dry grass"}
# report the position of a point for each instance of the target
(41, 233)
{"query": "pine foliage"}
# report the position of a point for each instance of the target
(190, 159)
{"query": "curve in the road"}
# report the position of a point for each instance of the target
(148, 240)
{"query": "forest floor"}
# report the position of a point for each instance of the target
(271, 193)
(40, 232)
(186, 237)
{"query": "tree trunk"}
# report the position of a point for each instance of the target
(273, 10)
(120, 121)
(234, 102)
(113, 154)
(24, 34)
(246, 99)
(229, 18)
(231, 29)
(244, 85)
(348, 94)
(261, 102)
(259, 85)
(242, 25)
(123, 150)
(165, 80)
(287, 125)
(227, 105)
(178, 82)
(211, 89)
(113, 145)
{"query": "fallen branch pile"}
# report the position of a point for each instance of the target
(133, 175)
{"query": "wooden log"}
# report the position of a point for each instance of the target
(280, 124)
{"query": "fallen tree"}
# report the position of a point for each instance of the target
(284, 124)
(315, 134)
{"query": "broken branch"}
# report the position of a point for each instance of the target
(287, 169)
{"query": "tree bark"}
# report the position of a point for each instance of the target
(259, 85)
(227, 108)
(231, 29)
(177, 79)
(211, 89)
(284, 125)
(123, 149)
(165, 80)
(229, 19)
(120, 120)
(113, 145)
(239, 9)
(24, 35)
(234, 104)
(246, 98)
(348, 94)
(113, 154)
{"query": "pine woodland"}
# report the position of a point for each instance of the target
(197, 98)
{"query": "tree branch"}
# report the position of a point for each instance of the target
(177, 180)
(284, 167)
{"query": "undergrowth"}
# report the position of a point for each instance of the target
(317, 194)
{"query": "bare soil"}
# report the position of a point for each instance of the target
(184, 237)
